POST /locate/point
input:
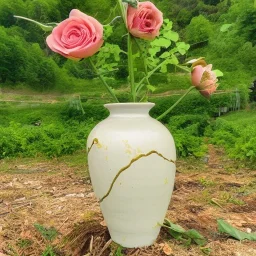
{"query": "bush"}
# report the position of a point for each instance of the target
(196, 104)
(236, 133)
(187, 131)
(41, 132)
(51, 140)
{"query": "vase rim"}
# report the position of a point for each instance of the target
(129, 109)
(129, 103)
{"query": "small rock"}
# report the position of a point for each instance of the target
(248, 230)
(49, 212)
(167, 249)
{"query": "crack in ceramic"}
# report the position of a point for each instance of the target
(127, 166)
(96, 141)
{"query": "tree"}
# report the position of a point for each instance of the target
(13, 57)
(8, 8)
(199, 29)
(247, 25)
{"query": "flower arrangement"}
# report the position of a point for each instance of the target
(131, 160)
(149, 38)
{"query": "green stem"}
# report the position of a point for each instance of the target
(130, 67)
(176, 103)
(103, 81)
(121, 7)
(150, 74)
(183, 68)
(145, 64)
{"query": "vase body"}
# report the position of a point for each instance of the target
(131, 159)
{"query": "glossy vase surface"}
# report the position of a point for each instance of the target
(131, 158)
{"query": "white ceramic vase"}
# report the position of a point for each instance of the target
(131, 159)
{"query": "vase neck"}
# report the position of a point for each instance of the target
(129, 109)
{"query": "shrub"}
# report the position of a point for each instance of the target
(51, 140)
(236, 133)
(187, 131)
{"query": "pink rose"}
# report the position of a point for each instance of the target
(204, 79)
(79, 36)
(145, 21)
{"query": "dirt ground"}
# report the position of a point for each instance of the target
(57, 195)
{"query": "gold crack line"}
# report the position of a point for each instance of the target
(127, 166)
(95, 141)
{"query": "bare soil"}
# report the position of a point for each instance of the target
(57, 195)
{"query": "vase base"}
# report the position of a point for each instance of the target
(131, 240)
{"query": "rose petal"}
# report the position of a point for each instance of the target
(77, 37)
(144, 21)
(197, 74)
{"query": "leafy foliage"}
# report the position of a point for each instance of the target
(236, 133)
(48, 233)
(187, 237)
(199, 29)
(57, 134)
(226, 228)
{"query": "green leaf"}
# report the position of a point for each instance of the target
(187, 237)
(226, 228)
(49, 251)
(206, 250)
(108, 31)
(161, 42)
(175, 234)
(173, 60)
(151, 87)
(182, 47)
(196, 236)
(119, 251)
(171, 35)
(48, 233)
(163, 68)
(187, 242)
(167, 24)
(225, 27)
(154, 50)
(250, 153)
(218, 73)
(164, 55)
(174, 227)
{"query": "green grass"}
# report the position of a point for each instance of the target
(242, 118)
(236, 132)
